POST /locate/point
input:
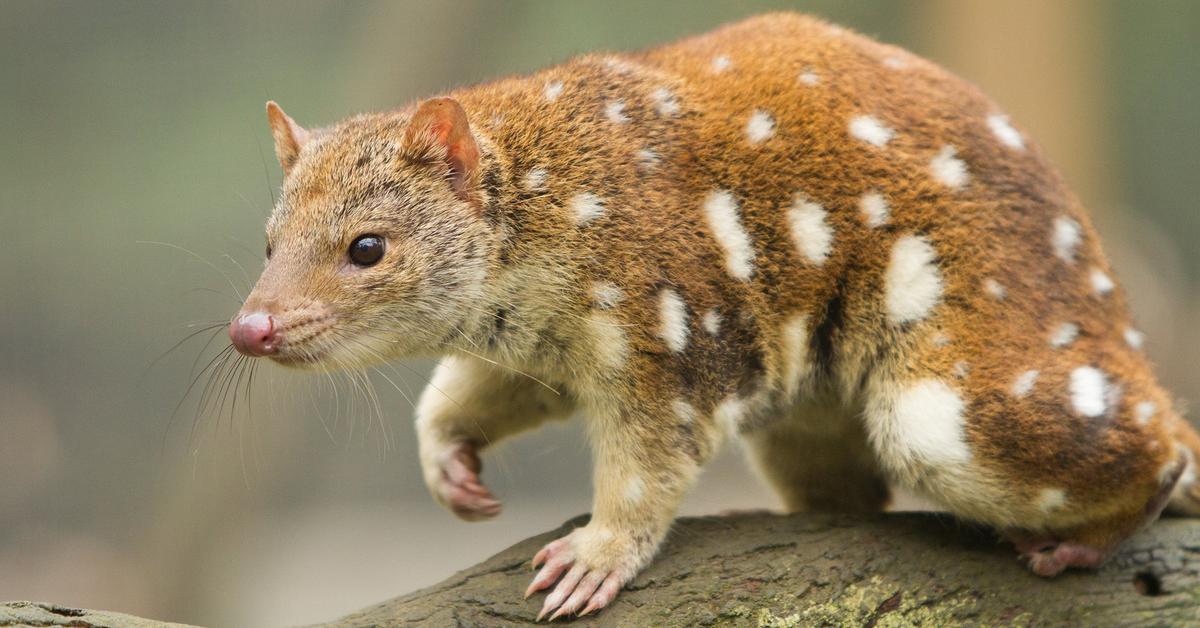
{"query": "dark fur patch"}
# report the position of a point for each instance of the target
(499, 325)
(832, 320)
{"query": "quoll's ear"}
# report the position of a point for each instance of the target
(289, 136)
(442, 122)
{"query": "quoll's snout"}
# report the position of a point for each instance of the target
(254, 334)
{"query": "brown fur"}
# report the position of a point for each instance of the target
(489, 265)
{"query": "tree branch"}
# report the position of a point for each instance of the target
(812, 569)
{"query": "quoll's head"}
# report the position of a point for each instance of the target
(377, 246)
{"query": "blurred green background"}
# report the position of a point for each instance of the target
(128, 122)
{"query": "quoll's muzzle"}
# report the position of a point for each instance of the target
(254, 334)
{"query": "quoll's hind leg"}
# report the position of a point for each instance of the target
(1050, 446)
(817, 458)
(1089, 545)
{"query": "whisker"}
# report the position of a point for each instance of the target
(266, 171)
(216, 292)
(245, 277)
(198, 257)
(509, 368)
(216, 326)
(214, 366)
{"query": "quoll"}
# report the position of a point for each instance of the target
(780, 232)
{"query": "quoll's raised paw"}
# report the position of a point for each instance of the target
(456, 484)
(590, 567)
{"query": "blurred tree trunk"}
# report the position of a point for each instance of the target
(770, 570)
(1044, 63)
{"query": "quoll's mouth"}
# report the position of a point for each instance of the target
(289, 341)
(296, 359)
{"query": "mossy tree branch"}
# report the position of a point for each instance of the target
(766, 570)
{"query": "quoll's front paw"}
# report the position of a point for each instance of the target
(454, 480)
(590, 565)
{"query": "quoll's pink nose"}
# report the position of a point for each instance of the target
(254, 334)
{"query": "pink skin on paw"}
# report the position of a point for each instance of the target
(1048, 558)
(580, 591)
(461, 489)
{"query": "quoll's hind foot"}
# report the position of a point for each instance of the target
(456, 484)
(1048, 558)
(590, 568)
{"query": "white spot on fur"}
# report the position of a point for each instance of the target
(553, 90)
(1004, 131)
(1051, 499)
(796, 364)
(895, 62)
(870, 130)
(1065, 237)
(1134, 338)
(1024, 383)
(648, 158)
(684, 411)
(729, 414)
(606, 295)
(929, 424)
(874, 209)
(621, 65)
(962, 369)
(673, 320)
(586, 207)
(1064, 335)
(914, 283)
(711, 321)
(760, 127)
(1089, 391)
(721, 63)
(534, 179)
(665, 102)
(809, 77)
(1102, 284)
(940, 339)
(723, 220)
(614, 110)
(610, 346)
(1144, 411)
(994, 289)
(812, 236)
(635, 489)
(949, 169)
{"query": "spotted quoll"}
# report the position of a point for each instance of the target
(779, 232)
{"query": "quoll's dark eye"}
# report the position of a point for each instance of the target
(366, 250)
(268, 250)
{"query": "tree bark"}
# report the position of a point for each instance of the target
(812, 569)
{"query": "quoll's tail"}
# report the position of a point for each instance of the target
(1185, 499)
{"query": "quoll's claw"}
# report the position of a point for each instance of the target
(580, 589)
(460, 488)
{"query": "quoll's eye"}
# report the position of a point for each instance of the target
(366, 250)
(268, 250)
